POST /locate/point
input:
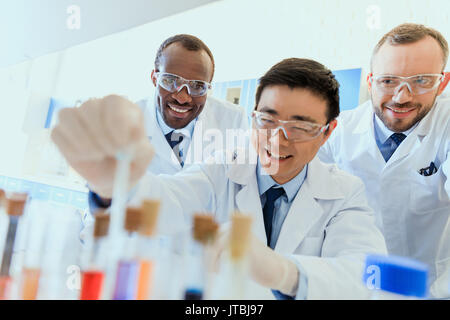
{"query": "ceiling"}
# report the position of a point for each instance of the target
(31, 28)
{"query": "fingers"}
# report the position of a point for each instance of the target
(91, 115)
(71, 137)
(99, 128)
(120, 112)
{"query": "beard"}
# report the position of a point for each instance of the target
(401, 125)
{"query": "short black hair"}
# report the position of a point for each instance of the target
(307, 74)
(188, 42)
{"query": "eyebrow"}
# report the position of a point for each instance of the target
(273, 112)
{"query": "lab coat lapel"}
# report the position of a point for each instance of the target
(247, 197)
(202, 125)
(249, 202)
(366, 143)
(304, 211)
(411, 143)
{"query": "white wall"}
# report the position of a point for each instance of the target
(246, 38)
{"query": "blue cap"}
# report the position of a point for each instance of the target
(396, 274)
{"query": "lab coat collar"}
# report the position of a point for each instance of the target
(317, 178)
(364, 125)
(426, 123)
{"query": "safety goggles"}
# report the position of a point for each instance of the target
(173, 83)
(418, 84)
(295, 130)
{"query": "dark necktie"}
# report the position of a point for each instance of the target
(174, 139)
(271, 196)
(397, 138)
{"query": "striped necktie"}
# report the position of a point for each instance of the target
(174, 139)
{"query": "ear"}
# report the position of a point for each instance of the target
(331, 127)
(444, 83)
(369, 83)
(153, 76)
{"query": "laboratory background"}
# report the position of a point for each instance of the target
(60, 53)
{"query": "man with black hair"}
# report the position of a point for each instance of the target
(312, 226)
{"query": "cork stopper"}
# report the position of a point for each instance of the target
(2, 197)
(205, 228)
(240, 235)
(15, 204)
(132, 219)
(101, 225)
(149, 217)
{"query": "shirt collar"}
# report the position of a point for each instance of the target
(186, 131)
(265, 182)
(383, 133)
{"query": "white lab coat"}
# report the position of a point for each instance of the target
(413, 211)
(328, 229)
(216, 117)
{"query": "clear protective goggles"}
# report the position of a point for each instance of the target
(418, 84)
(173, 83)
(295, 130)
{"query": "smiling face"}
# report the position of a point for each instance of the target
(401, 111)
(284, 159)
(178, 109)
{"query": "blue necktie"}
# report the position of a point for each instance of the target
(174, 140)
(271, 196)
(397, 138)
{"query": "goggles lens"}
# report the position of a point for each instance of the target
(293, 130)
(174, 83)
(418, 84)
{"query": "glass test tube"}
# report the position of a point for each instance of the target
(147, 248)
(34, 250)
(204, 232)
(128, 266)
(14, 207)
(236, 269)
(92, 278)
(118, 208)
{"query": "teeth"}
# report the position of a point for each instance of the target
(400, 110)
(179, 110)
(276, 157)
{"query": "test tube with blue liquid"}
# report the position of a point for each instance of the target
(204, 232)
